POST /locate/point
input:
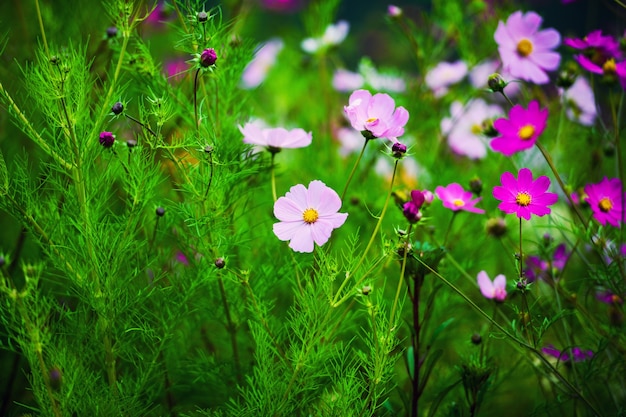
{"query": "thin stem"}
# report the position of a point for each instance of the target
(445, 239)
(143, 125)
(345, 189)
(507, 98)
(195, 102)
(336, 300)
(401, 280)
(273, 176)
(43, 32)
(231, 328)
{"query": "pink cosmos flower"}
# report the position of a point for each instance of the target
(443, 75)
(255, 133)
(611, 69)
(596, 48)
(465, 127)
(344, 80)
(580, 102)
(495, 290)
(606, 199)
(377, 115)
(523, 196)
(527, 52)
(350, 141)
(521, 130)
(456, 198)
(264, 59)
(578, 354)
(308, 215)
(175, 69)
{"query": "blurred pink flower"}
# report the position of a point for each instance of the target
(443, 75)
(596, 47)
(175, 69)
(264, 59)
(284, 6)
(456, 198)
(521, 130)
(464, 129)
(578, 354)
(344, 80)
(255, 133)
(376, 115)
(495, 290)
(350, 140)
(333, 35)
(580, 102)
(526, 52)
(523, 196)
(606, 199)
(610, 69)
(394, 11)
(308, 215)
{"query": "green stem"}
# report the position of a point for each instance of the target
(231, 328)
(336, 301)
(345, 189)
(43, 32)
(401, 280)
(196, 122)
(273, 176)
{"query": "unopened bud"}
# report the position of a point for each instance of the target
(220, 263)
(160, 211)
(203, 17)
(208, 57)
(496, 83)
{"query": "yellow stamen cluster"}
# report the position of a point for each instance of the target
(524, 47)
(526, 132)
(523, 199)
(609, 67)
(605, 205)
(458, 203)
(310, 215)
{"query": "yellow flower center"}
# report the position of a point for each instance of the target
(310, 215)
(523, 199)
(609, 66)
(371, 120)
(526, 132)
(458, 203)
(477, 129)
(524, 47)
(605, 205)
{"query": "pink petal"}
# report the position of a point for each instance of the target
(547, 39)
(287, 210)
(320, 231)
(539, 186)
(525, 179)
(485, 284)
(337, 219)
(298, 193)
(303, 240)
(381, 106)
(287, 230)
(546, 60)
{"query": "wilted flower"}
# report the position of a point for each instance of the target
(443, 75)
(521, 130)
(456, 198)
(308, 215)
(527, 52)
(376, 115)
(495, 290)
(606, 199)
(523, 196)
(333, 35)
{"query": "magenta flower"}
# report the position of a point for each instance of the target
(208, 57)
(107, 139)
(538, 268)
(610, 69)
(308, 215)
(456, 198)
(606, 199)
(578, 354)
(495, 290)
(376, 116)
(526, 52)
(275, 138)
(411, 209)
(523, 196)
(521, 130)
(596, 46)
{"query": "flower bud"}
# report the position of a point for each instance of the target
(56, 377)
(107, 139)
(394, 11)
(366, 290)
(160, 211)
(398, 150)
(220, 263)
(208, 57)
(111, 32)
(54, 60)
(476, 339)
(488, 129)
(203, 17)
(566, 77)
(496, 83)
(117, 108)
(476, 186)
(131, 143)
(496, 227)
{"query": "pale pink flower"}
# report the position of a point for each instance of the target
(264, 59)
(376, 115)
(580, 102)
(333, 35)
(456, 198)
(308, 216)
(526, 51)
(443, 75)
(464, 129)
(495, 290)
(274, 138)
(344, 80)
(350, 140)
